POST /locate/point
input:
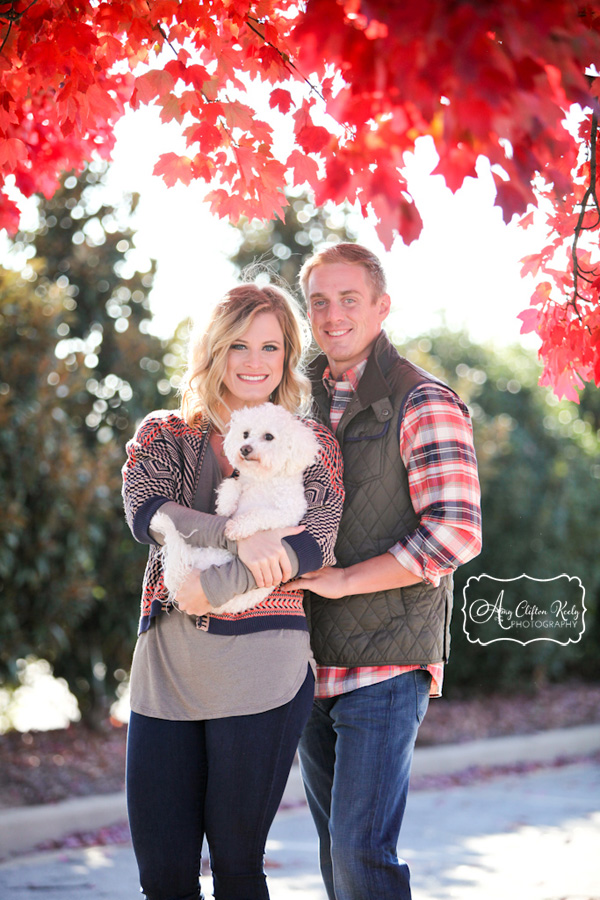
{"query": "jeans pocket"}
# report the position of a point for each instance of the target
(422, 685)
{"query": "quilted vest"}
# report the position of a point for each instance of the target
(403, 626)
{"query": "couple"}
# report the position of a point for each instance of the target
(350, 644)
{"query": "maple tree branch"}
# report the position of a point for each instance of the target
(11, 15)
(590, 194)
(286, 59)
(162, 32)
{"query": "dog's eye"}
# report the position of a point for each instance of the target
(246, 435)
(269, 437)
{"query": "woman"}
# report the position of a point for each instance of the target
(219, 702)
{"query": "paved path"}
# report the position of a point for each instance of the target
(534, 836)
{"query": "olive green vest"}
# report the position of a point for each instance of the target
(402, 626)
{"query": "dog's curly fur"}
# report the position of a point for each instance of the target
(270, 449)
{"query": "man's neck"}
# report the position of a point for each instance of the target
(339, 369)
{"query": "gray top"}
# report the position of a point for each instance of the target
(182, 673)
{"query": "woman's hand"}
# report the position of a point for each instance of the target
(190, 597)
(265, 556)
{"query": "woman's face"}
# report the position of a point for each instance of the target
(254, 363)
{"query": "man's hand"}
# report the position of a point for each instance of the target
(265, 556)
(380, 573)
(327, 582)
(190, 598)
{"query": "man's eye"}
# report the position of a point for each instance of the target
(246, 435)
(269, 437)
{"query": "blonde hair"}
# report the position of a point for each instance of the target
(346, 252)
(202, 387)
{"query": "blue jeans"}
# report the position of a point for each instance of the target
(223, 778)
(355, 754)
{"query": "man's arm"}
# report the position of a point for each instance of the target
(381, 573)
(436, 445)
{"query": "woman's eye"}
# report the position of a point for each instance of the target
(238, 347)
(269, 437)
(270, 348)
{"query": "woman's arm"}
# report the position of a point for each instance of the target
(153, 482)
(198, 529)
(221, 583)
(150, 475)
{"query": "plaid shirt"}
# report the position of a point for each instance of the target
(444, 490)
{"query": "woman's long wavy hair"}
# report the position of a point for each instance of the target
(202, 386)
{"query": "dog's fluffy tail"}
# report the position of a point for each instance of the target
(176, 563)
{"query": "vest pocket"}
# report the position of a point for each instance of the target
(363, 451)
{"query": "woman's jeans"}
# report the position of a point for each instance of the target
(223, 778)
(355, 755)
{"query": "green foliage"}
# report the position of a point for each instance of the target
(48, 482)
(539, 472)
(86, 247)
(79, 369)
(284, 245)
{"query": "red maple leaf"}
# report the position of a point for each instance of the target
(305, 168)
(174, 168)
(313, 138)
(150, 86)
(280, 99)
(530, 318)
(480, 79)
(12, 151)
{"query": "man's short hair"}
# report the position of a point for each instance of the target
(345, 252)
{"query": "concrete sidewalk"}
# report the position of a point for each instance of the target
(525, 837)
(24, 828)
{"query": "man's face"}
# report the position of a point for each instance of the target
(346, 319)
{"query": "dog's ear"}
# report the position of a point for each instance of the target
(304, 447)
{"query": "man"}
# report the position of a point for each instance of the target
(380, 619)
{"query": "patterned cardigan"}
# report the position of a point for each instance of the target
(163, 463)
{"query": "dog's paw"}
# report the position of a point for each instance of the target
(228, 496)
(233, 532)
(242, 526)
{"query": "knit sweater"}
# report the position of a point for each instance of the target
(163, 464)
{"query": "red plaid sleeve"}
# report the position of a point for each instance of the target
(436, 445)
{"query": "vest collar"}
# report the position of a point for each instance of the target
(373, 388)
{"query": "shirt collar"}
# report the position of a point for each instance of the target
(351, 376)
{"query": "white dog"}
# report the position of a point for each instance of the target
(270, 449)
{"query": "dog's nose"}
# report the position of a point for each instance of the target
(246, 450)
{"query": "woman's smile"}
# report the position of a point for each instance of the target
(255, 363)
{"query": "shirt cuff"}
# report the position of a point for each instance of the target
(143, 517)
(426, 571)
(306, 551)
